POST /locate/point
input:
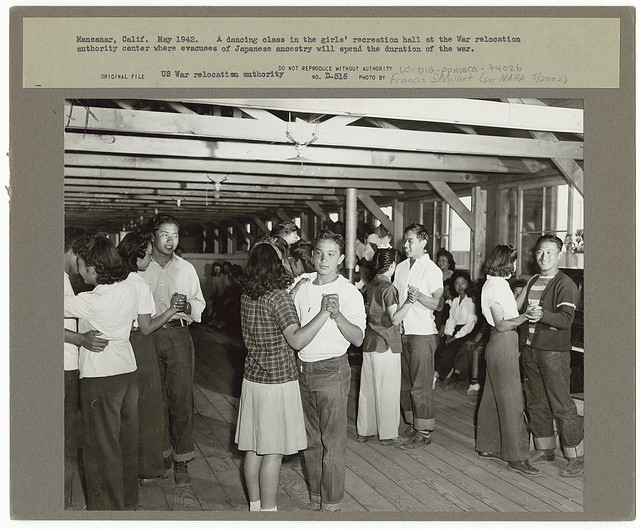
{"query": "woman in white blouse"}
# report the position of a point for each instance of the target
(461, 321)
(501, 431)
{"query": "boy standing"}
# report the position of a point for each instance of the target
(422, 276)
(552, 298)
(325, 375)
(167, 274)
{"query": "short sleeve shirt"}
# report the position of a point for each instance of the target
(380, 334)
(146, 304)
(270, 359)
(497, 290)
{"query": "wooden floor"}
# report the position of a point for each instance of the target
(444, 477)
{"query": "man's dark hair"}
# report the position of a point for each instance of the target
(161, 218)
(331, 236)
(71, 235)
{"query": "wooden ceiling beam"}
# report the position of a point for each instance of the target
(229, 169)
(117, 121)
(247, 151)
(375, 210)
(191, 178)
(449, 195)
(571, 171)
(476, 112)
(72, 184)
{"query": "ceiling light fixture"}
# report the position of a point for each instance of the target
(301, 145)
(216, 186)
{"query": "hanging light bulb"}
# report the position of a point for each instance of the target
(217, 186)
(178, 202)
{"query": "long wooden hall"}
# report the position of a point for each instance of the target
(475, 172)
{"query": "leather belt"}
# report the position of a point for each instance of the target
(175, 323)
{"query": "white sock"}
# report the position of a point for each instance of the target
(272, 509)
(254, 505)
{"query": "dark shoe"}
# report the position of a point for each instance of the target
(418, 441)
(153, 481)
(389, 442)
(543, 456)
(574, 468)
(181, 471)
(453, 380)
(489, 455)
(405, 438)
(523, 467)
(364, 438)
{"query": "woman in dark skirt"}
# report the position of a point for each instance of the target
(502, 432)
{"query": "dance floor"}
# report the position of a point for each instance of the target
(444, 477)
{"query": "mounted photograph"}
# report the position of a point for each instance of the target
(363, 305)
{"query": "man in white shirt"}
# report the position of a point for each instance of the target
(167, 274)
(419, 335)
(325, 375)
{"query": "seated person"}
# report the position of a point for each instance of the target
(460, 323)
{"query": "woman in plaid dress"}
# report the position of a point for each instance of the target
(270, 416)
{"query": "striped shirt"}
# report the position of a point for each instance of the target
(534, 297)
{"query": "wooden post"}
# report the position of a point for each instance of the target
(398, 223)
(479, 240)
(351, 221)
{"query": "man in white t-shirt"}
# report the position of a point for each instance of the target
(419, 335)
(325, 375)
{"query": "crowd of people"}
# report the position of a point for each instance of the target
(417, 322)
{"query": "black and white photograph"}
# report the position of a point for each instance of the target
(321, 264)
(355, 305)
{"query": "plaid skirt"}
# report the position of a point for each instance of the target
(270, 418)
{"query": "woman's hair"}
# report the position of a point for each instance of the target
(265, 272)
(99, 252)
(449, 256)
(456, 275)
(134, 246)
(383, 259)
(500, 261)
(303, 251)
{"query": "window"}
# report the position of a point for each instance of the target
(460, 238)
(447, 230)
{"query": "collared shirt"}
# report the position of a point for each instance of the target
(270, 359)
(178, 275)
(110, 310)
(426, 276)
(497, 290)
(71, 351)
(461, 313)
(329, 342)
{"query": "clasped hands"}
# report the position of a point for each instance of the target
(179, 302)
(534, 313)
(331, 303)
